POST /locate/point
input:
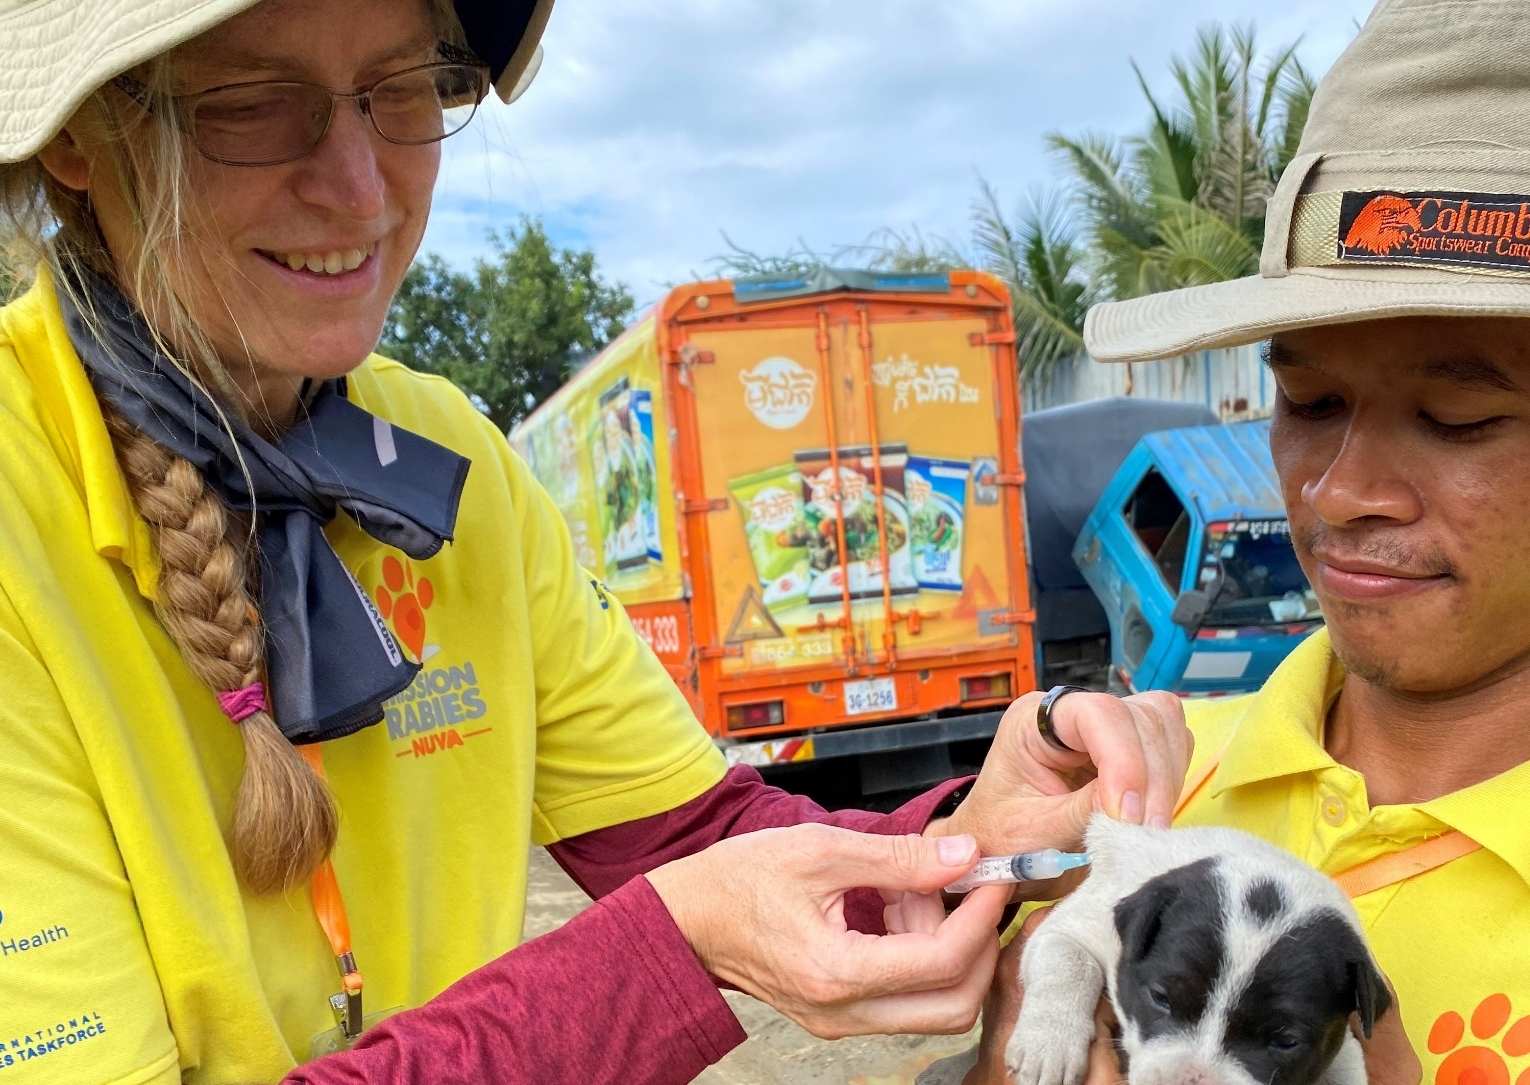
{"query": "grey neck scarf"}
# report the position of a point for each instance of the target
(330, 661)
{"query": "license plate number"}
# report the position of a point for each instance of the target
(872, 695)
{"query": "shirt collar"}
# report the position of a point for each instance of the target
(75, 426)
(1494, 814)
(1280, 734)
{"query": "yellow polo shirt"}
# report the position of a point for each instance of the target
(128, 951)
(1455, 941)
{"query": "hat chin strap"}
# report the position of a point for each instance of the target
(510, 89)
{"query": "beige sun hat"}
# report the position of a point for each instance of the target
(58, 51)
(1409, 194)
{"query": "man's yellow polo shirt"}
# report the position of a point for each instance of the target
(1455, 941)
(128, 951)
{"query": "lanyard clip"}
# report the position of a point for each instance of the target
(347, 1001)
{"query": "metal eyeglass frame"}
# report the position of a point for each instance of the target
(452, 57)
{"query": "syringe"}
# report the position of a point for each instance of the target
(1029, 866)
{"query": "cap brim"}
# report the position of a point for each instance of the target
(1244, 311)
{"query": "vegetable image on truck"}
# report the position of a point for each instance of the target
(865, 526)
(776, 525)
(937, 497)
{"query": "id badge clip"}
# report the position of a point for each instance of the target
(350, 1022)
(347, 1001)
(332, 1040)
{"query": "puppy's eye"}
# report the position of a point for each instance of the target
(1158, 995)
(1284, 1041)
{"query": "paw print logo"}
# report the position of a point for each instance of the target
(402, 600)
(1480, 1064)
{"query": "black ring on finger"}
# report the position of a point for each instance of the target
(1044, 716)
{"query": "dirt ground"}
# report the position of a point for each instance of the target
(777, 1051)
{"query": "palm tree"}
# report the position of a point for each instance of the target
(1180, 205)
(1183, 204)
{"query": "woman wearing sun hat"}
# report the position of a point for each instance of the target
(241, 823)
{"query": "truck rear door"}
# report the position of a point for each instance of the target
(857, 480)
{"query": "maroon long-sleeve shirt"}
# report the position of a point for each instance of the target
(615, 994)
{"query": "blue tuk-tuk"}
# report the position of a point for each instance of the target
(1189, 552)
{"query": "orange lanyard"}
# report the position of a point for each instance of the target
(1373, 874)
(329, 908)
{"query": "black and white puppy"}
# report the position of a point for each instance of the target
(1228, 962)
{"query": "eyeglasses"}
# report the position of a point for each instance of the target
(270, 122)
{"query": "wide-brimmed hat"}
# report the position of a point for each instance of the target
(1409, 194)
(58, 51)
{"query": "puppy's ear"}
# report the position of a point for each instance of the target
(1139, 917)
(1372, 999)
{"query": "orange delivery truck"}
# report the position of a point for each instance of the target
(807, 494)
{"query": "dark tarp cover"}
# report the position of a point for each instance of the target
(1070, 455)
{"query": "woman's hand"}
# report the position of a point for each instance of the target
(1134, 753)
(765, 913)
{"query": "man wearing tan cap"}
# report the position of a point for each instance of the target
(1393, 749)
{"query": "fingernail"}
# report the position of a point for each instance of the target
(1131, 807)
(955, 850)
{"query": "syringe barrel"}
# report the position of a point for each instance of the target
(1040, 865)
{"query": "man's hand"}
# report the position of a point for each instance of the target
(1135, 752)
(765, 913)
(1389, 1056)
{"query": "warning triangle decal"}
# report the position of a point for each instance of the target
(977, 595)
(751, 621)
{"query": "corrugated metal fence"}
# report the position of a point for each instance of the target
(1234, 382)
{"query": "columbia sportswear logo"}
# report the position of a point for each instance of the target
(1477, 229)
(440, 707)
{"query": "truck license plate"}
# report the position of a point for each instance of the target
(872, 695)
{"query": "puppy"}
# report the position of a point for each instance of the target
(1228, 962)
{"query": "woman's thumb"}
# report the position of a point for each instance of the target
(916, 863)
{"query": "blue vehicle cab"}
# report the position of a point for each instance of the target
(1188, 550)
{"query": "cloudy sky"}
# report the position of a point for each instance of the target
(654, 128)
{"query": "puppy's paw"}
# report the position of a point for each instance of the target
(1048, 1048)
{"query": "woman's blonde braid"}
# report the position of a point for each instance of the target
(284, 817)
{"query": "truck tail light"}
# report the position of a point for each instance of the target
(985, 687)
(760, 714)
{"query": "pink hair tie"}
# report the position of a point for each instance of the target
(240, 704)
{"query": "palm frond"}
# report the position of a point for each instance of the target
(1108, 195)
(997, 246)
(1295, 101)
(1166, 156)
(1275, 73)
(1039, 263)
(1199, 246)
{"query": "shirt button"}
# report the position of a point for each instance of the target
(1334, 811)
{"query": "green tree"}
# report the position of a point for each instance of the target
(509, 331)
(1180, 204)
(1183, 203)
